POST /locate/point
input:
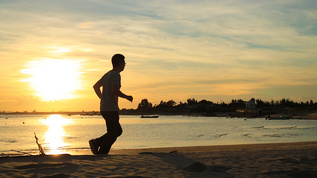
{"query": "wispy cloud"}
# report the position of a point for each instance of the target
(216, 49)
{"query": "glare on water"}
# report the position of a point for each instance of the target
(55, 134)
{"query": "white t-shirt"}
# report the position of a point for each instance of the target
(109, 101)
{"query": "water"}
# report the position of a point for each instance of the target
(68, 134)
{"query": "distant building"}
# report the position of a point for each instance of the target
(250, 104)
(249, 112)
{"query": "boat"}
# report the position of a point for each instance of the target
(208, 114)
(149, 116)
(280, 117)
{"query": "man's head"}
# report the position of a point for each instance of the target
(118, 62)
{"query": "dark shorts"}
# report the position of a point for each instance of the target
(112, 122)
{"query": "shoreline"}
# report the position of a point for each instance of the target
(234, 147)
(298, 159)
(182, 149)
(294, 116)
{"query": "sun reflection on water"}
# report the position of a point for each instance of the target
(54, 136)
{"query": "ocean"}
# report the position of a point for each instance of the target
(70, 134)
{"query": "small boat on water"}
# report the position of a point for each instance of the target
(149, 116)
(280, 117)
(208, 114)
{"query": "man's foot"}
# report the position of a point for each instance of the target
(93, 146)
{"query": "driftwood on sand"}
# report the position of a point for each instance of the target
(39, 145)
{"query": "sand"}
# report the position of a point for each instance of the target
(256, 160)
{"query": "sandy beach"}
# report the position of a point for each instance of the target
(256, 160)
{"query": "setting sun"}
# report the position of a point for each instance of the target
(53, 79)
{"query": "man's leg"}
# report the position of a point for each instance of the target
(113, 131)
(93, 146)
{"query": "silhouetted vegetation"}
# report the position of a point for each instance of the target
(193, 107)
(209, 108)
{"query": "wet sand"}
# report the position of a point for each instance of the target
(255, 160)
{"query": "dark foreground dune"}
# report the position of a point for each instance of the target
(257, 160)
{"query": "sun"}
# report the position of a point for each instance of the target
(54, 79)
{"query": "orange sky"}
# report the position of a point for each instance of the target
(51, 54)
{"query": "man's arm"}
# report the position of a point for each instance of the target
(97, 87)
(116, 91)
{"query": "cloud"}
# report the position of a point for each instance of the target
(86, 25)
(179, 48)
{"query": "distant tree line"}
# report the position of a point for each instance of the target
(194, 106)
(209, 108)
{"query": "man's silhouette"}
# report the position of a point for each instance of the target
(110, 83)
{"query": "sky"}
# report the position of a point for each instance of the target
(53, 52)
